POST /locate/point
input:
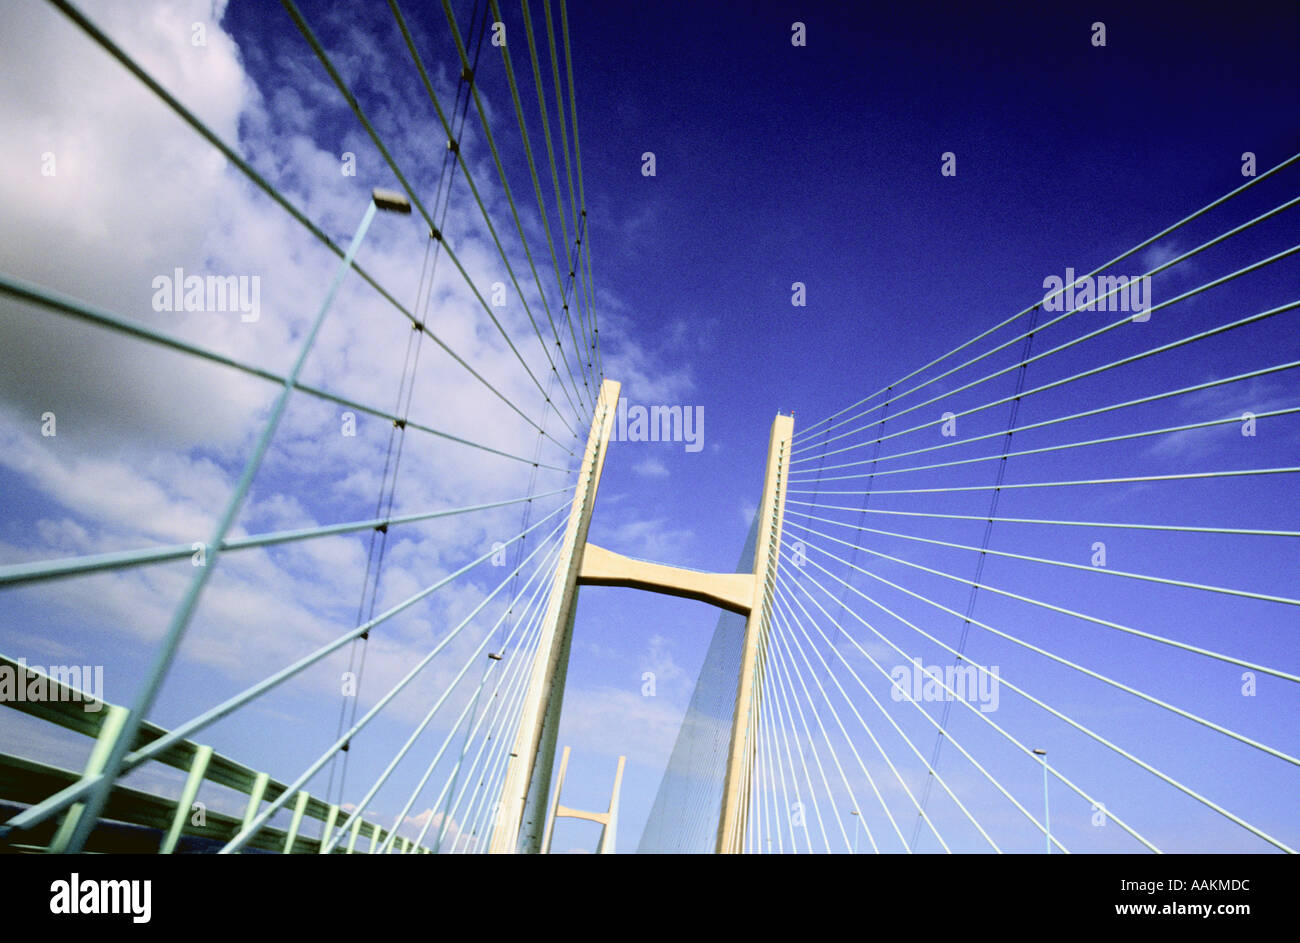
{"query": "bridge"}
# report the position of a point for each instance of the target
(1023, 592)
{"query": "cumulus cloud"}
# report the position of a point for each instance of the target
(150, 442)
(651, 467)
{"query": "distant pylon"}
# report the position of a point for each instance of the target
(608, 819)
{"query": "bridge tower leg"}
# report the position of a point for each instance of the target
(520, 816)
(734, 814)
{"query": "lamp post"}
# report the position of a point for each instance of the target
(1047, 817)
(81, 819)
(857, 818)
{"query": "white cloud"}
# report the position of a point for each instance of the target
(651, 467)
(651, 540)
(598, 720)
(150, 442)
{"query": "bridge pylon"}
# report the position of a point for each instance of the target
(734, 813)
(521, 819)
(607, 819)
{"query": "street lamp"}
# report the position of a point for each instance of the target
(72, 840)
(854, 812)
(1047, 818)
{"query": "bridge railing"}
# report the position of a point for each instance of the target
(165, 822)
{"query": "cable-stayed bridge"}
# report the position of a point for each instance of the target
(1027, 595)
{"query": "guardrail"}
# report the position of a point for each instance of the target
(24, 782)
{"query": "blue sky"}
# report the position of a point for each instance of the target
(774, 164)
